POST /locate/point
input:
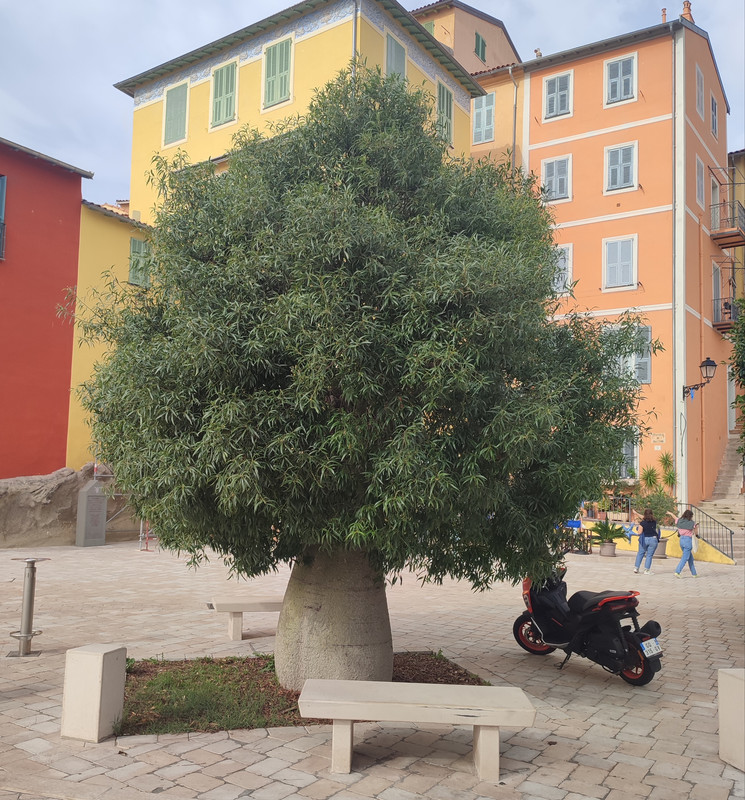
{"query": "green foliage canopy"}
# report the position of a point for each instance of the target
(349, 341)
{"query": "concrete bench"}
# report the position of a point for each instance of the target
(486, 708)
(236, 607)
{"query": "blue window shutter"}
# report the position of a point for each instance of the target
(483, 118)
(644, 359)
(619, 263)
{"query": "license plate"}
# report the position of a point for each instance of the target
(651, 647)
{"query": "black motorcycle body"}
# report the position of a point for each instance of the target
(590, 624)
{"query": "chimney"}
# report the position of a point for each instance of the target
(664, 15)
(687, 11)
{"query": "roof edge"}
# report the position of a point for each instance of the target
(53, 161)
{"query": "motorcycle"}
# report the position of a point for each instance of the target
(590, 625)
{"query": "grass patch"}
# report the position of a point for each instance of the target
(218, 694)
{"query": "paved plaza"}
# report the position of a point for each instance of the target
(594, 736)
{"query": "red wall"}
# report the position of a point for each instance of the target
(42, 218)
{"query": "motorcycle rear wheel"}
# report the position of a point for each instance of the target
(641, 673)
(527, 636)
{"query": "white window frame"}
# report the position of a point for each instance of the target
(289, 99)
(395, 39)
(488, 109)
(632, 363)
(544, 164)
(634, 168)
(214, 125)
(570, 96)
(700, 183)
(700, 93)
(607, 102)
(165, 114)
(568, 250)
(714, 110)
(634, 239)
(715, 199)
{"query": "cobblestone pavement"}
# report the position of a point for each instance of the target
(594, 736)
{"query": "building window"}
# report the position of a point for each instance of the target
(138, 271)
(716, 217)
(556, 179)
(562, 282)
(639, 364)
(429, 27)
(620, 80)
(700, 182)
(619, 263)
(483, 118)
(620, 167)
(699, 91)
(445, 112)
(223, 94)
(480, 47)
(557, 95)
(714, 118)
(175, 122)
(3, 183)
(277, 65)
(628, 469)
(395, 57)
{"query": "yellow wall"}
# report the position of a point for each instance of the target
(317, 58)
(104, 246)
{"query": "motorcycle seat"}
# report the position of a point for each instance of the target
(580, 602)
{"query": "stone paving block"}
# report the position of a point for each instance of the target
(542, 791)
(224, 792)
(269, 766)
(199, 782)
(629, 786)
(247, 780)
(322, 789)
(273, 791)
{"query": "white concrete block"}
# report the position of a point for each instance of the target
(731, 696)
(93, 693)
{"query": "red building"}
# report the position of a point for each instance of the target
(40, 200)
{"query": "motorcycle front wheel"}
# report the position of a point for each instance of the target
(641, 673)
(528, 637)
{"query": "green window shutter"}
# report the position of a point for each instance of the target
(483, 118)
(138, 273)
(175, 128)
(644, 359)
(223, 94)
(480, 47)
(429, 27)
(395, 57)
(277, 72)
(445, 112)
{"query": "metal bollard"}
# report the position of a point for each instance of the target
(27, 633)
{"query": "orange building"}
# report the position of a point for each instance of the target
(628, 136)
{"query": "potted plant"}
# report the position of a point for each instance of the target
(605, 533)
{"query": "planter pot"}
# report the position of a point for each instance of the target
(608, 549)
(661, 551)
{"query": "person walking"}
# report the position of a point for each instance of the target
(686, 530)
(649, 538)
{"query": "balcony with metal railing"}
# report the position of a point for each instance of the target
(728, 224)
(725, 313)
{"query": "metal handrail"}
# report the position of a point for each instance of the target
(725, 309)
(711, 530)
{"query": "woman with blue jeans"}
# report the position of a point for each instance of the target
(686, 530)
(649, 538)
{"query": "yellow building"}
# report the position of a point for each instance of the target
(109, 240)
(270, 70)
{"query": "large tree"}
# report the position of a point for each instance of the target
(348, 360)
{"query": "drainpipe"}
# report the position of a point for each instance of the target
(354, 38)
(514, 117)
(701, 334)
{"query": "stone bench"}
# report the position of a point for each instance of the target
(486, 708)
(236, 607)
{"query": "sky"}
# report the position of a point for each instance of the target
(59, 61)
